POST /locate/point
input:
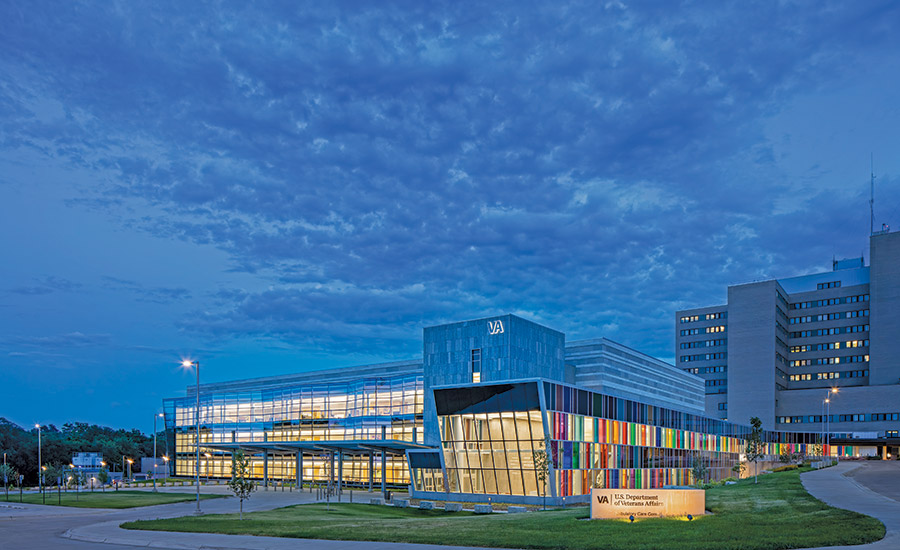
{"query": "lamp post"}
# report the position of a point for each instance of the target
(40, 473)
(130, 462)
(155, 416)
(823, 426)
(827, 419)
(77, 480)
(187, 363)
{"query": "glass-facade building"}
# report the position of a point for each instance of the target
(467, 422)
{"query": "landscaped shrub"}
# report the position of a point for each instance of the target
(785, 468)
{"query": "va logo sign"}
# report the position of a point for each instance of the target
(495, 327)
(602, 499)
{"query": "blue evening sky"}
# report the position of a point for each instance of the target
(283, 186)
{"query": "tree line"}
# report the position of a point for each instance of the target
(59, 445)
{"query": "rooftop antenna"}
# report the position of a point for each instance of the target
(872, 194)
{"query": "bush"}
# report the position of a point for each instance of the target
(785, 468)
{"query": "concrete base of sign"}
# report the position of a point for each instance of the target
(646, 503)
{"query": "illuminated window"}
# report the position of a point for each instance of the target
(476, 365)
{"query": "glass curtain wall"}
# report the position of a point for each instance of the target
(366, 409)
(490, 434)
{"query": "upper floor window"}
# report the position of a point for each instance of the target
(832, 284)
(476, 365)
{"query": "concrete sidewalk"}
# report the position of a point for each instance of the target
(110, 533)
(835, 487)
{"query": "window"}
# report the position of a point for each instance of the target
(832, 284)
(829, 316)
(829, 331)
(702, 357)
(723, 406)
(689, 319)
(831, 302)
(476, 365)
(717, 328)
(719, 315)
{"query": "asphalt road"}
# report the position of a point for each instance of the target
(27, 527)
(881, 476)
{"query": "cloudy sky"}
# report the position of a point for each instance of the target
(290, 186)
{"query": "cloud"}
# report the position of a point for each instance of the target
(60, 341)
(159, 295)
(47, 285)
(376, 169)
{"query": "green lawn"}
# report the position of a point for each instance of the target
(777, 513)
(107, 499)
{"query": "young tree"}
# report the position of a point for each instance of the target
(739, 469)
(542, 466)
(755, 447)
(241, 484)
(699, 469)
(9, 475)
(817, 448)
(103, 478)
(51, 474)
(786, 457)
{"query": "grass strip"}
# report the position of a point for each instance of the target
(776, 514)
(108, 499)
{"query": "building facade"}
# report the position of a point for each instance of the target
(815, 352)
(467, 421)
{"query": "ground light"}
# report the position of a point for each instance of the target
(631, 519)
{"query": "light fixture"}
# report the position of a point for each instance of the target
(631, 518)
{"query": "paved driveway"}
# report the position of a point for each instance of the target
(867, 487)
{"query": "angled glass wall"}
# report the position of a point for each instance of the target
(489, 436)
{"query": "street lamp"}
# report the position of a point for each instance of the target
(77, 477)
(155, 416)
(187, 363)
(40, 473)
(832, 391)
(130, 462)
